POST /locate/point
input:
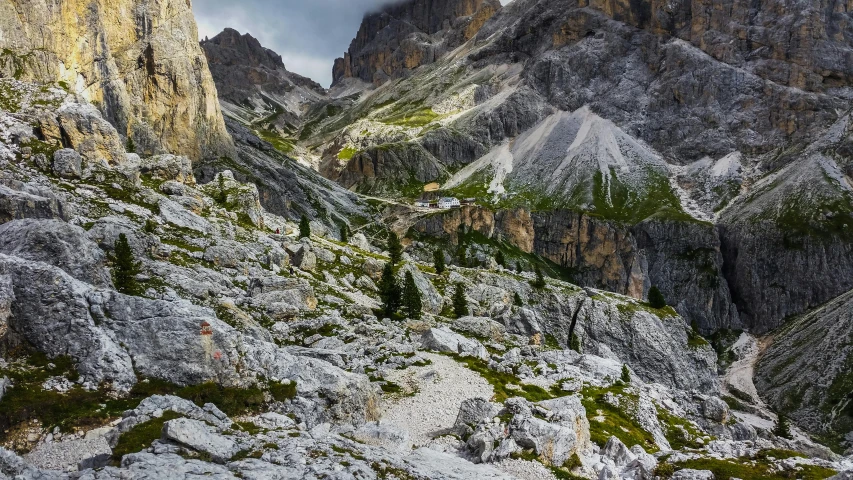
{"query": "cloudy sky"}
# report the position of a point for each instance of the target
(308, 34)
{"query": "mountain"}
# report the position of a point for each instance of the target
(256, 88)
(143, 70)
(403, 36)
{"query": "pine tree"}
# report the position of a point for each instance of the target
(304, 227)
(656, 299)
(344, 233)
(626, 374)
(499, 258)
(462, 255)
(125, 268)
(518, 267)
(389, 291)
(540, 279)
(438, 259)
(783, 427)
(395, 248)
(575, 343)
(412, 304)
(516, 299)
(130, 148)
(460, 304)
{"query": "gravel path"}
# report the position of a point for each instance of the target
(442, 387)
(65, 455)
(740, 376)
(525, 469)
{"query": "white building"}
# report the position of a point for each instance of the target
(448, 202)
(422, 203)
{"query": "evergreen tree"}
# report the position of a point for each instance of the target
(540, 279)
(389, 291)
(395, 248)
(304, 227)
(412, 304)
(783, 427)
(575, 343)
(499, 258)
(516, 299)
(438, 258)
(125, 267)
(344, 233)
(462, 255)
(656, 299)
(626, 374)
(131, 148)
(460, 304)
(518, 267)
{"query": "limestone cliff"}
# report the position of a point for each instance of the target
(138, 61)
(404, 36)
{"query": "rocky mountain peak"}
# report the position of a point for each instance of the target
(404, 36)
(232, 48)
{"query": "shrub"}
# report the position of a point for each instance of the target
(626, 374)
(438, 260)
(460, 303)
(389, 291)
(344, 234)
(499, 258)
(412, 304)
(304, 227)
(125, 267)
(540, 279)
(516, 300)
(395, 248)
(656, 299)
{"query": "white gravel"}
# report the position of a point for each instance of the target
(66, 454)
(442, 387)
(525, 469)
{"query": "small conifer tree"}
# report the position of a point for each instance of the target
(499, 258)
(575, 343)
(438, 259)
(460, 303)
(517, 301)
(540, 279)
(125, 267)
(131, 148)
(395, 248)
(626, 374)
(518, 267)
(656, 299)
(389, 291)
(304, 227)
(412, 304)
(783, 427)
(344, 233)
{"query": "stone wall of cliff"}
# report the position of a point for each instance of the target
(138, 61)
(407, 35)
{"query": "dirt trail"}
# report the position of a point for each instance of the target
(739, 376)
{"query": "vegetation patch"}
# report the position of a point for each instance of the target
(679, 432)
(141, 436)
(752, 469)
(606, 420)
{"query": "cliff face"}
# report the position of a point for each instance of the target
(404, 36)
(138, 61)
(254, 84)
(683, 259)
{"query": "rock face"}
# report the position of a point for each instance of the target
(144, 69)
(246, 73)
(404, 36)
(807, 371)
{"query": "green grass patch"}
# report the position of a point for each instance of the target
(753, 470)
(141, 436)
(347, 153)
(606, 420)
(679, 432)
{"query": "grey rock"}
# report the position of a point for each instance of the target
(443, 340)
(241, 198)
(482, 327)
(274, 421)
(616, 451)
(5, 383)
(57, 243)
(365, 283)
(174, 213)
(472, 412)
(714, 408)
(690, 474)
(19, 200)
(169, 168)
(98, 461)
(743, 432)
(200, 437)
(555, 443)
(304, 259)
(325, 255)
(67, 163)
(360, 241)
(383, 435)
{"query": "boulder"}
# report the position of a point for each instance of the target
(67, 163)
(20, 200)
(742, 431)
(4, 384)
(617, 452)
(472, 412)
(384, 435)
(82, 127)
(555, 443)
(57, 243)
(690, 474)
(482, 327)
(373, 268)
(360, 241)
(106, 230)
(274, 421)
(714, 408)
(443, 340)
(169, 168)
(365, 283)
(174, 213)
(304, 259)
(200, 437)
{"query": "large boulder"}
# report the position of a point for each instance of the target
(200, 437)
(553, 442)
(443, 340)
(690, 474)
(20, 200)
(67, 163)
(169, 168)
(82, 127)
(57, 243)
(303, 258)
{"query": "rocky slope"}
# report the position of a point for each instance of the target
(806, 372)
(137, 61)
(248, 353)
(403, 36)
